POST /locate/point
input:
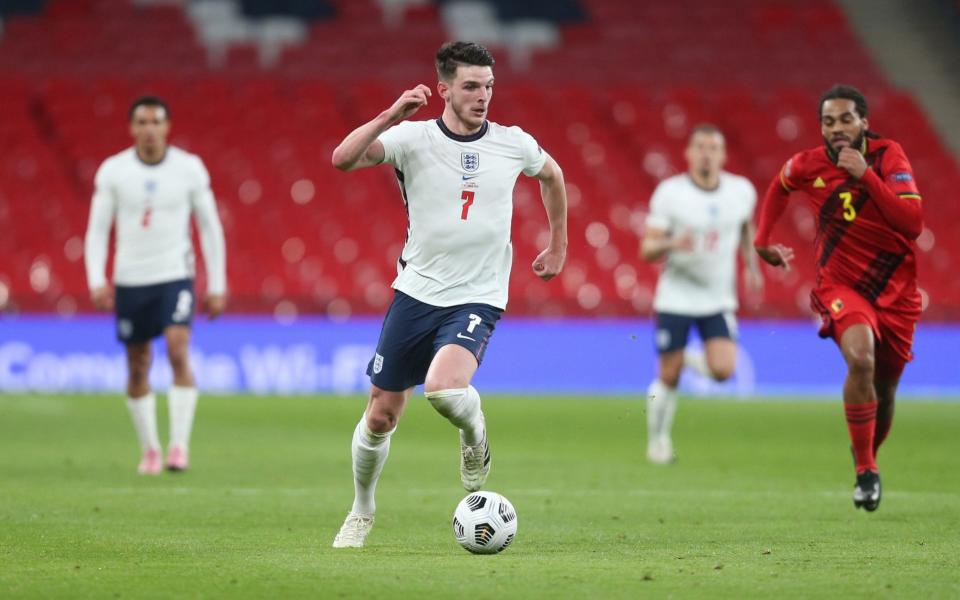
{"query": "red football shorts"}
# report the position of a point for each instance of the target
(841, 307)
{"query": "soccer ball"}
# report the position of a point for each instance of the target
(485, 522)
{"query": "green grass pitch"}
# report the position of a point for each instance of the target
(757, 507)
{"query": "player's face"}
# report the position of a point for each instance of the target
(841, 125)
(706, 153)
(149, 128)
(469, 94)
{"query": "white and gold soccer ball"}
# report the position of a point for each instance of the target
(485, 522)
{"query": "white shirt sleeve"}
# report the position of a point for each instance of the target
(211, 232)
(750, 193)
(103, 208)
(533, 155)
(395, 143)
(659, 217)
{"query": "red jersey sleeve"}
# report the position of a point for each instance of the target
(775, 199)
(895, 192)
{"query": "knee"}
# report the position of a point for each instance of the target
(179, 358)
(721, 373)
(861, 365)
(138, 369)
(438, 382)
(381, 417)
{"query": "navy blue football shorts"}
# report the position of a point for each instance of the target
(673, 330)
(144, 311)
(413, 332)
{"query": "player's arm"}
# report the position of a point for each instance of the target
(897, 199)
(751, 272)
(658, 243)
(361, 148)
(96, 242)
(658, 239)
(213, 246)
(549, 263)
(771, 209)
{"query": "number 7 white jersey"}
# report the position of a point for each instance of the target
(458, 192)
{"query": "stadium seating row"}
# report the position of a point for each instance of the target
(303, 236)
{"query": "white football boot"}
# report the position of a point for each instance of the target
(353, 532)
(474, 463)
(660, 451)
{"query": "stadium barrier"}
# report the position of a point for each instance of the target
(579, 356)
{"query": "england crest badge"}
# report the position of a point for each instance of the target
(470, 161)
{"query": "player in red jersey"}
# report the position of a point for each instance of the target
(868, 216)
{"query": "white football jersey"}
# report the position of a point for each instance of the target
(151, 207)
(458, 191)
(703, 281)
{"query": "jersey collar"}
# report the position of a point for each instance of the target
(463, 138)
(166, 152)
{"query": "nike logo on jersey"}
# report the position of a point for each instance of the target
(465, 337)
(469, 177)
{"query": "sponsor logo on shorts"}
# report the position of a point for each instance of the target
(465, 337)
(663, 338)
(184, 303)
(377, 363)
(836, 306)
(125, 328)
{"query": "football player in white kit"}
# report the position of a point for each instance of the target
(456, 176)
(148, 193)
(697, 221)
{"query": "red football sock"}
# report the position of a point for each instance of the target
(861, 423)
(881, 431)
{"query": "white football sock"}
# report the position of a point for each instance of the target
(182, 402)
(143, 411)
(462, 408)
(697, 361)
(370, 450)
(661, 407)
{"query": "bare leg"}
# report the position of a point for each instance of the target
(721, 355)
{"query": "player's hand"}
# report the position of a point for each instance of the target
(214, 304)
(852, 162)
(685, 242)
(549, 263)
(408, 103)
(776, 255)
(102, 298)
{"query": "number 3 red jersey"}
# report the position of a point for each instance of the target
(865, 227)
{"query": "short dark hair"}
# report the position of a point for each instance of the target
(844, 92)
(453, 54)
(708, 128)
(148, 101)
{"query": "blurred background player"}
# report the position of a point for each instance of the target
(869, 215)
(456, 176)
(697, 222)
(149, 192)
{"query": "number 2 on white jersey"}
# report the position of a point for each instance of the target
(467, 197)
